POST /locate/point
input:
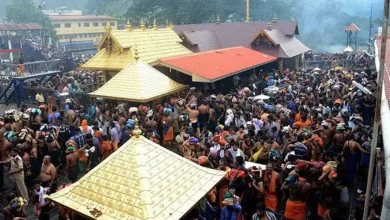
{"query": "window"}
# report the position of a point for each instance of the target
(104, 24)
(112, 23)
(56, 25)
(79, 24)
(80, 36)
(94, 35)
(85, 35)
(67, 25)
(96, 24)
(90, 35)
(86, 24)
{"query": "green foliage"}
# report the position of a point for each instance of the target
(25, 11)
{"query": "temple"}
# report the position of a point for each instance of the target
(141, 180)
(276, 38)
(116, 49)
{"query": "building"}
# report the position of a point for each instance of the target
(81, 31)
(276, 38)
(13, 37)
(116, 49)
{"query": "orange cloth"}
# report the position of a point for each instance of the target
(297, 117)
(321, 210)
(169, 135)
(307, 123)
(295, 210)
(84, 125)
(271, 200)
(106, 149)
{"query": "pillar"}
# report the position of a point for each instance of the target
(281, 61)
(11, 55)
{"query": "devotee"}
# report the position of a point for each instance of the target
(48, 174)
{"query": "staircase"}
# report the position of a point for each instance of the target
(7, 93)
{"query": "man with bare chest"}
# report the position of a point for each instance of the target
(72, 158)
(17, 125)
(48, 173)
(299, 190)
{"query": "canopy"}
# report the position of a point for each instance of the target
(138, 82)
(215, 65)
(141, 180)
(348, 49)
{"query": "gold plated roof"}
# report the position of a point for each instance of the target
(141, 180)
(104, 60)
(138, 82)
(152, 45)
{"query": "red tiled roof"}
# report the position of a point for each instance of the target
(217, 64)
(79, 17)
(212, 36)
(352, 27)
(20, 27)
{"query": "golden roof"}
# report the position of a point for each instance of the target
(152, 45)
(138, 82)
(141, 180)
(104, 60)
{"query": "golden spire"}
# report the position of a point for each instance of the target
(137, 132)
(269, 26)
(155, 25)
(142, 25)
(108, 29)
(128, 26)
(247, 19)
(218, 20)
(171, 26)
(275, 19)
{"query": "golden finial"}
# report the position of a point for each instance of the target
(171, 26)
(218, 20)
(247, 19)
(275, 19)
(136, 55)
(155, 25)
(167, 24)
(137, 132)
(142, 25)
(108, 29)
(128, 26)
(269, 26)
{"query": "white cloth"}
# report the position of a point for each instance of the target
(41, 193)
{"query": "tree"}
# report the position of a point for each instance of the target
(25, 11)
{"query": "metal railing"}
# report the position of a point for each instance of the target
(30, 68)
(327, 64)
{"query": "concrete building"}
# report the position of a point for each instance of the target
(81, 31)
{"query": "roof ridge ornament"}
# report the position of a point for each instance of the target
(171, 26)
(128, 26)
(218, 19)
(155, 27)
(108, 29)
(142, 25)
(137, 131)
(275, 19)
(269, 26)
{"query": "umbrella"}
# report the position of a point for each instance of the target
(261, 97)
(317, 69)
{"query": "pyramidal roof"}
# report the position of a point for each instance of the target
(141, 180)
(138, 82)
